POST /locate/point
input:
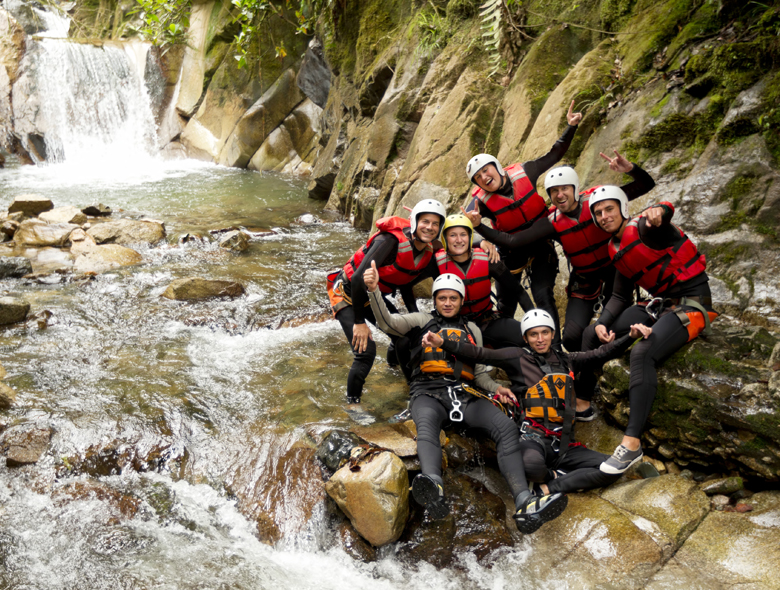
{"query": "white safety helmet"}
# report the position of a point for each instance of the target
(536, 318)
(449, 281)
(478, 162)
(609, 193)
(428, 206)
(562, 176)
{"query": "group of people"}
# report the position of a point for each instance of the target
(446, 354)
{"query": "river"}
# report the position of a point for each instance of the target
(215, 386)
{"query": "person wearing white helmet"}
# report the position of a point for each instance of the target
(650, 252)
(402, 249)
(543, 381)
(584, 243)
(473, 265)
(447, 387)
(508, 197)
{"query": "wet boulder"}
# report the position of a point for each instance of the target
(393, 437)
(104, 258)
(314, 76)
(725, 485)
(279, 488)
(714, 405)
(30, 205)
(67, 214)
(127, 231)
(668, 507)
(38, 233)
(13, 310)
(235, 240)
(8, 228)
(375, 498)
(196, 288)
(25, 444)
(14, 267)
(476, 525)
(99, 210)
(7, 396)
(729, 550)
(335, 448)
(599, 545)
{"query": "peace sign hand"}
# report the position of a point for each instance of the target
(618, 163)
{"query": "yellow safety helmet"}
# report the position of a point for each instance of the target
(457, 220)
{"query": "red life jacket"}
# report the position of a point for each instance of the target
(584, 242)
(655, 270)
(404, 268)
(476, 278)
(519, 212)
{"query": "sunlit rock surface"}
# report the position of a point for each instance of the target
(67, 214)
(13, 309)
(127, 231)
(25, 444)
(375, 497)
(729, 550)
(674, 505)
(196, 288)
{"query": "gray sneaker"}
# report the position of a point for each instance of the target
(621, 460)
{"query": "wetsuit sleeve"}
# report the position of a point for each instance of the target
(480, 354)
(593, 359)
(482, 378)
(542, 228)
(535, 168)
(512, 291)
(394, 324)
(642, 184)
(410, 301)
(382, 250)
(622, 297)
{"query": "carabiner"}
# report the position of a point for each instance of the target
(656, 301)
(599, 307)
(455, 414)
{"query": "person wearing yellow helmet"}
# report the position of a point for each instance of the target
(471, 264)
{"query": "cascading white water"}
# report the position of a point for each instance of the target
(83, 104)
(95, 103)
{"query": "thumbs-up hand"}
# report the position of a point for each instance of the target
(371, 277)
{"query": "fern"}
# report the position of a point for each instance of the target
(491, 14)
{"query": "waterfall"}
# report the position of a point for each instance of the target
(82, 104)
(94, 102)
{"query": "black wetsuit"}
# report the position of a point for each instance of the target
(584, 288)
(540, 459)
(383, 250)
(432, 402)
(499, 328)
(669, 333)
(544, 267)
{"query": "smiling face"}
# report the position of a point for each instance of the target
(563, 197)
(607, 215)
(488, 179)
(539, 339)
(458, 241)
(447, 302)
(428, 225)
